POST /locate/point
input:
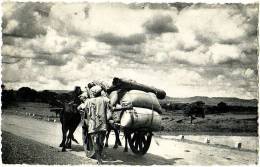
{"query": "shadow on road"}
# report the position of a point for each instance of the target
(77, 148)
(118, 157)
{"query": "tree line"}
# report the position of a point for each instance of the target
(26, 94)
(221, 107)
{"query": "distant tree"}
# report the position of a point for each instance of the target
(3, 96)
(65, 97)
(198, 108)
(195, 109)
(47, 96)
(222, 107)
(27, 94)
(8, 97)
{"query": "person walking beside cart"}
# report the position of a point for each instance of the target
(96, 110)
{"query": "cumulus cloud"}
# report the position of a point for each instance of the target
(25, 19)
(249, 73)
(159, 24)
(218, 23)
(93, 47)
(221, 53)
(70, 19)
(12, 51)
(113, 39)
(51, 49)
(57, 60)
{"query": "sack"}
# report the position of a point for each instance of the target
(141, 99)
(141, 118)
(113, 97)
(119, 83)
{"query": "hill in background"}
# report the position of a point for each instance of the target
(213, 101)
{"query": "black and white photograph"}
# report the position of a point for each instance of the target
(129, 83)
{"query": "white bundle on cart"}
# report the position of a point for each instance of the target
(141, 118)
(142, 99)
(145, 111)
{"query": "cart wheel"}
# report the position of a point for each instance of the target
(139, 142)
(88, 146)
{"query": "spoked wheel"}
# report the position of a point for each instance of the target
(139, 141)
(88, 144)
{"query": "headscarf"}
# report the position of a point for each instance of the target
(95, 91)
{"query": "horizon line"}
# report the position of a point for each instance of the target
(165, 97)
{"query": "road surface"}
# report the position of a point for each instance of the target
(161, 151)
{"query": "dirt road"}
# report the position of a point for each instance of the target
(161, 151)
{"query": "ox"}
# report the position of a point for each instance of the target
(70, 119)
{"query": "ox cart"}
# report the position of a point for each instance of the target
(138, 115)
(137, 127)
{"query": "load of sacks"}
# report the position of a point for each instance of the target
(135, 98)
(137, 103)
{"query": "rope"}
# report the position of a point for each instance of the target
(132, 114)
(152, 112)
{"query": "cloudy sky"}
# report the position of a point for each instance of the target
(185, 49)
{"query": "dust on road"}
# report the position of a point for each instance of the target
(161, 151)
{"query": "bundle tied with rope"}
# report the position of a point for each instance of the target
(146, 109)
(142, 99)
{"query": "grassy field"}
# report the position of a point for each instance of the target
(35, 110)
(215, 124)
(242, 123)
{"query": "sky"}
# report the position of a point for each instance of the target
(185, 49)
